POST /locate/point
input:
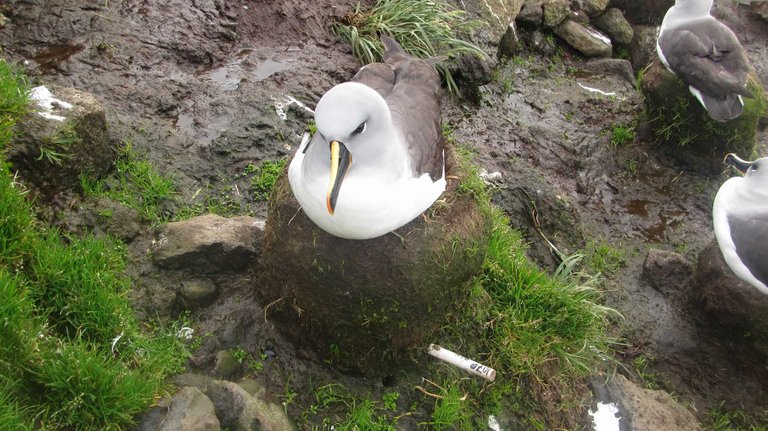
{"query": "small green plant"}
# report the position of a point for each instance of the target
(645, 372)
(601, 257)
(137, 184)
(240, 354)
(424, 28)
(264, 177)
(390, 400)
(13, 99)
(622, 134)
(451, 410)
(721, 419)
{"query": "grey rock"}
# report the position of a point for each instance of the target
(613, 23)
(189, 410)
(196, 293)
(239, 411)
(611, 66)
(209, 244)
(644, 409)
(666, 271)
(53, 147)
(588, 41)
(541, 43)
(642, 50)
(511, 43)
(579, 16)
(593, 7)
(226, 365)
(532, 13)
(761, 9)
(496, 14)
(643, 12)
(555, 12)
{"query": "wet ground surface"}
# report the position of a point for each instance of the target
(212, 87)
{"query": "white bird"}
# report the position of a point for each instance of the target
(376, 161)
(740, 215)
(706, 55)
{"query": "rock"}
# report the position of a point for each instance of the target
(540, 43)
(209, 244)
(611, 67)
(587, 41)
(642, 50)
(496, 14)
(593, 7)
(510, 44)
(761, 9)
(554, 12)
(189, 410)
(365, 305)
(531, 14)
(646, 410)
(736, 310)
(63, 137)
(104, 216)
(666, 271)
(196, 293)
(613, 23)
(685, 131)
(579, 16)
(239, 411)
(644, 12)
(226, 364)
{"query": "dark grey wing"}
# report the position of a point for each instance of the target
(415, 106)
(750, 235)
(379, 76)
(707, 56)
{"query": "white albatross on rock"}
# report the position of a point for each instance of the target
(376, 161)
(706, 55)
(740, 216)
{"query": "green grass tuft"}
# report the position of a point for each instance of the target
(136, 184)
(13, 100)
(264, 177)
(424, 28)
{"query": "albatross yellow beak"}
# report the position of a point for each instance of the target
(341, 159)
(739, 164)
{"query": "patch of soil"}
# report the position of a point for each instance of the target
(204, 88)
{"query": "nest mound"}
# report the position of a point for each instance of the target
(365, 305)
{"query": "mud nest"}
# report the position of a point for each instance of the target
(370, 306)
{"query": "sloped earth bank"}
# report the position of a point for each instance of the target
(202, 89)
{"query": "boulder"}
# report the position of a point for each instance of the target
(613, 23)
(645, 409)
(239, 411)
(226, 364)
(666, 271)
(197, 293)
(554, 12)
(642, 49)
(63, 137)
(367, 306)
(736, 310)
(684, 130)
(588, 41)
(592, 7)
(761, 9)
(643, 12)
(496, 16)
(208, 244)
(511, 43)
(531, 14)
(189, 410)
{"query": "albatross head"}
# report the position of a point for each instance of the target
(355, 125)
(692, 8)
(755, 173)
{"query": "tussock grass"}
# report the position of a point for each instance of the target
(424, 28)
(72, 355)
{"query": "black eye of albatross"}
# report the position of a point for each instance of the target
(360, 129)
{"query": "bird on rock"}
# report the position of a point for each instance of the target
(376, 161)
(706, 55)
(740, 215)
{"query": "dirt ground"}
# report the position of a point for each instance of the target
(204, 88)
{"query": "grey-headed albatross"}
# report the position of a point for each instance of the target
(740, 215)
(706, 55)
(376, 161)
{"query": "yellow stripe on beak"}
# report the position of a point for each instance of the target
(341, 159)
